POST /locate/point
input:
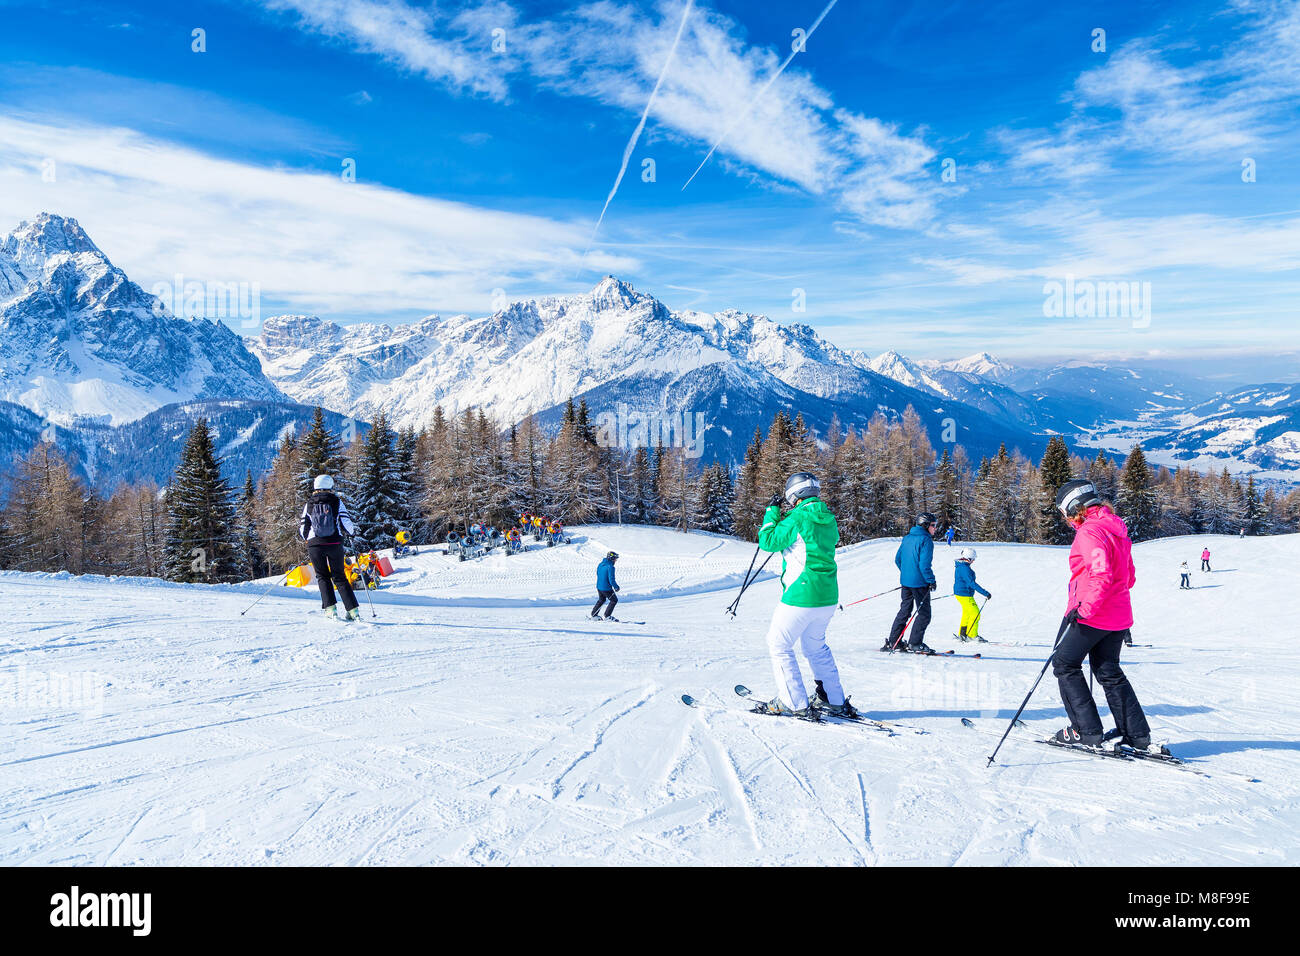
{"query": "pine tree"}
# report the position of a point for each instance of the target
(1053, 472)
(747, 505)
(202, 539)
(1256, 512)
(320, 453)
(250, 540)
(1136, 502)
(376, 508)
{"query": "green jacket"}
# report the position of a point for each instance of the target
(806, 538)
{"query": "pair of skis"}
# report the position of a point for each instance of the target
(814, 715)
(1119, 752)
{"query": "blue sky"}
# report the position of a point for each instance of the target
(481, 169)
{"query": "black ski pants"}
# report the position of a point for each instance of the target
(327, 562)
(1102, 650)
(1205, 564)
(609, 596)
(920, 598)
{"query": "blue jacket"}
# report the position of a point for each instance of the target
(963, 582)
(605, 576)
(914, 559)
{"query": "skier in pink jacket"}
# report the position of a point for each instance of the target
(1100, 615)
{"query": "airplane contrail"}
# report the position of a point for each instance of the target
(759, 95)
(636, 134)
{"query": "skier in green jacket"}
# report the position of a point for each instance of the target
(806, 538)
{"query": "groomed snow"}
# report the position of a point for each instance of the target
(480, 718)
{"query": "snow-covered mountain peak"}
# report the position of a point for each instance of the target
(32, 244)
(298, 331)
(982, 364)
(613, 293)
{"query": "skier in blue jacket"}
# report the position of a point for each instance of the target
(964, 587)
(915, 559)
(606, 587)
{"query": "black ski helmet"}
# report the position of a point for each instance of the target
(1076, 495)
(926, 518)
(613, 555)
(801, 485)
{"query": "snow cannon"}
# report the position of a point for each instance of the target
(301, 576)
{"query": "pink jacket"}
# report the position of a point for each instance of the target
(1205, 555)
(1101, 571)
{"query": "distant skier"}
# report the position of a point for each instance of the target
(1186, 582)
(1098, 620)
(915, 560)
(1242, 533)
(325, 520)
(964, 588)
(1205, 560)
(806, 538)
(606, 587)
(951, 536)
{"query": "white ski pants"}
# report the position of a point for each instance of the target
(804, 627)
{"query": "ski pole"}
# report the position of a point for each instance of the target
(361, 576)
(976, 623)
(749, 579)
(745, 587)
(745, 581)
(881, 594)
(265, 593)
(1065, 624)
(902, 633)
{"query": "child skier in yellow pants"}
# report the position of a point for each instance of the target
(964, 588)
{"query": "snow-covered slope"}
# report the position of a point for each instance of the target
(80, 341)
(481, 718)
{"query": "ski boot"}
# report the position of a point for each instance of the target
(977, 640)
(920, 647)
(779, 709)
(822, 702)
(1142, 744)
(331, 613)
(1068, 735)
(887, 646)
(962, 635)
(354, 614)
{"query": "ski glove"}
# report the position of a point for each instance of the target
(933, 588)
(1072, 616)
(774, 502)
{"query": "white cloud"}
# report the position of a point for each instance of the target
(614, 52)
(311, 240)
(414, 38)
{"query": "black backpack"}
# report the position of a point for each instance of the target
(323, 513)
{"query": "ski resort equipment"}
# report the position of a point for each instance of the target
(926, 518)
(264, 594)
(801, 485)
(966, 554)
(322, 483)
(1065, 623)
(868, 598)
(301, 576)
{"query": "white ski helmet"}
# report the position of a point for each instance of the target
(801, 485)
(966, 554)
(323, 483)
